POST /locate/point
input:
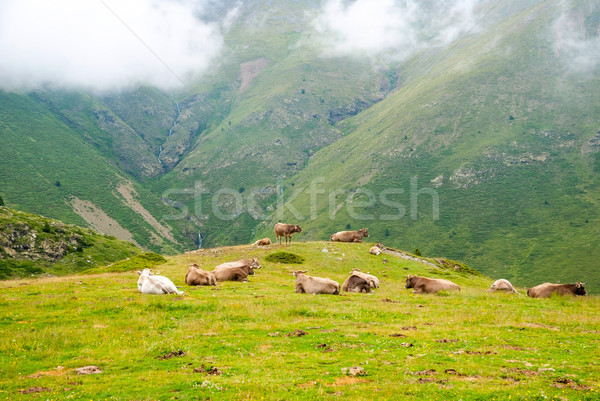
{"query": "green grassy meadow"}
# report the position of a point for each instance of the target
(471, 345)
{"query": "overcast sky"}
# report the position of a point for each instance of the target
(112, 44)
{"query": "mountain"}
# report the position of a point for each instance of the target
(479, 145)
(31, 245)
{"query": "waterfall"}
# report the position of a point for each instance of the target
(177, 113)
(199, 240)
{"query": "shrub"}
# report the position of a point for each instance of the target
(284, 257)
(416, 252)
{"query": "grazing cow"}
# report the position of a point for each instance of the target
(371, 279)
(286, 230)
(248, 265)
(350, 236)
(231, 274)
(502, 285)
(547, 289)
(429, 285)
(314, 285)
(196, 276)
(148, 283)
(376, 249)
(263, 242)
(356, 283)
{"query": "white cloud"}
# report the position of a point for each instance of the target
(578, 47)
(103, 44)
(391, 29)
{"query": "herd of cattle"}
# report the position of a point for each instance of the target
(357, 281)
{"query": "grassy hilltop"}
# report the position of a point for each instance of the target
(260, 340)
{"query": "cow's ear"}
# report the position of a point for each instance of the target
(139, 272)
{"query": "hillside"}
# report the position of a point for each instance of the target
(32, 245)
(477, 141)
(214, 342)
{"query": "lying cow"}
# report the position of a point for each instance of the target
(547, 289)
(248, 265)
(263, 242)
(286, 230)
(429, 285)
(371, 279)
(356, 283)
(196, 276)
(350, 236)
(149, 283)
(503, 286)
(314, 285)
(376, 249)
(231, 274)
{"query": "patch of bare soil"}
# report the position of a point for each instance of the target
(36, 389)
(128, 193)
(208, 370)
(296, 333)
(60, 370)
(88, 370)
(563, 382)
(445, 340)
(99, 220)
(171, 354)
(250, 70)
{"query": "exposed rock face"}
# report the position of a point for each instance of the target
(33, 241)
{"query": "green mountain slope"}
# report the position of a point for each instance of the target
(32, 245)
(500, 133)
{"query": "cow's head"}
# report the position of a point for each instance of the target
(297, 229)
(255, 264)
(146, 272)
(298, 272)
(409, 281)
(364, 232)
(579, 290)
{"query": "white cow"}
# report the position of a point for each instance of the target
(148, 283)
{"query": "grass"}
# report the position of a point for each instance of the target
(500, 347)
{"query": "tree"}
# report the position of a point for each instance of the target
(1, 201)
(417, 252)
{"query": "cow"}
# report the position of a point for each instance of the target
(371, 279)
(149, 283)
(231, 274)
(350, 236)
(263, 242)
(248, 265)
(286, 230)
(356, 283)
(196, 276)
(547, 289)
(376, 249)
(314, 285)
(429, 285)
(502, 285)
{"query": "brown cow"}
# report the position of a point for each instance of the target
(350, 236)
(231, 274)
(376, 249)
(248, 265)
(547, 289)
(371, 279)
(356, 283)
(429, 285)
(263, 242)
(502, 285)
(196, 276)
(286, 230)
(314, 285)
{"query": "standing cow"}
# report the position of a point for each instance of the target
(286, 230)
(429, 285)
(350, 236)
(547, 289)
(503, 286)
